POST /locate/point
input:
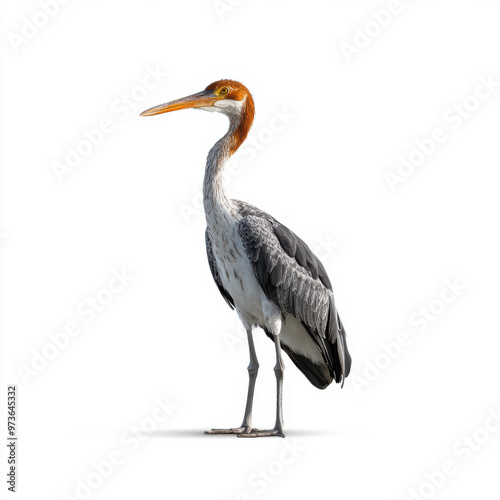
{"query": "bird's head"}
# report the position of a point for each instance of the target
(224, 96)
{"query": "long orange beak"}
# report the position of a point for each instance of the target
(203, 99)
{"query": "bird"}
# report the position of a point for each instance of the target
(262, 269)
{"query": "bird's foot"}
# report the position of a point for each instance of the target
(264, 433)
(234, 430)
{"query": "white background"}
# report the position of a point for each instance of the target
(132, 203)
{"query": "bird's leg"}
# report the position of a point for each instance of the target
(279, 370)
(278, 426)
(253, 369)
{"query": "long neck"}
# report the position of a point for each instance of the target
(214, 196)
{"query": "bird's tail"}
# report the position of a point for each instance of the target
(340, 355)
(337, 360)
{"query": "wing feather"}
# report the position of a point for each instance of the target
(295, 280)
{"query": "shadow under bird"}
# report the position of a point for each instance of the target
(262, 269)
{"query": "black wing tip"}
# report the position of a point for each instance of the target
(318, 375)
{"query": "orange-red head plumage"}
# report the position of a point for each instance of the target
(236, 91)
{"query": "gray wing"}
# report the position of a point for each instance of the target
(296, 281)
(215, 272)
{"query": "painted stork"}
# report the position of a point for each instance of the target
(262, 269)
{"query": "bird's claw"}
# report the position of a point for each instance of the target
(265, 433)
(250, 432)
(234, 430)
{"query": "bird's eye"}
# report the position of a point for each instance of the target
(224, 90)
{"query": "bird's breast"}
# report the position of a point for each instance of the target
(235, 269)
